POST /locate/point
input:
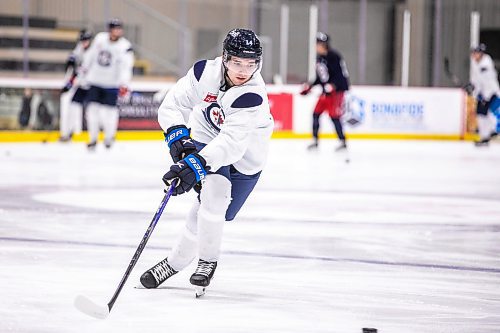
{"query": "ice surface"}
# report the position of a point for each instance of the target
(404, 238)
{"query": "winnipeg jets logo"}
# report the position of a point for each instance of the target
(322, 71)
(104, 58)
(214, 116)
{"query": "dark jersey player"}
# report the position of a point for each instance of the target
(332, 75)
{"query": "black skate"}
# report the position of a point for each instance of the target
(341, 147)
(313, 146)
(108, 143)
(66, 138)
(157, 274)
(202, 276)
(91, 145)
(482, 143)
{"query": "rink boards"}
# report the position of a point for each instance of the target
(372, 112)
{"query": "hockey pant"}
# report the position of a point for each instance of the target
(71, 115)
(204, 224)
(102, 116)
(486, 125)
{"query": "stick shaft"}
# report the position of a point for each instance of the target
(141, 246)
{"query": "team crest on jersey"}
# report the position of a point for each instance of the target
(210, 98)
(214, 116)
(104, 58)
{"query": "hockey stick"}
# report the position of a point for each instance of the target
(87, 306)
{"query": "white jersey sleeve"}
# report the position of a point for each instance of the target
(179, 102)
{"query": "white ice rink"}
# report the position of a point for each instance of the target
(405, 239)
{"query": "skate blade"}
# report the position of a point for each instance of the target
(199, 291)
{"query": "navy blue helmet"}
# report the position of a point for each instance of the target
(115, 23)
(480, 48)
(242, 43)
(85, 35)
(321, 37)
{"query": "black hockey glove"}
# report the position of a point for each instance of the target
(306, 89)
(189, 172)
(179, 142)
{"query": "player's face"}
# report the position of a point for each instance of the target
(240, 70)
(476, 56)
(86, 43)
(321, 48)
(116, 33)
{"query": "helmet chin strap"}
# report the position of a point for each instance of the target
(227, 81)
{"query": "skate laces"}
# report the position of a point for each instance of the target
(205, 267)
(162, 271)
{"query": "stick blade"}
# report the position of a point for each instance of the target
(85, 305)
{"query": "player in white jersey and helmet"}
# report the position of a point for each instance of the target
(108, 70)
(218, 125)
(484, 80)
(74, 91)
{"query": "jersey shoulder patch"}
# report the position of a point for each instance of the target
(198, 69)
(247, 100)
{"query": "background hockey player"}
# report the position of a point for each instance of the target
(484, 80)
(222, 154)
(108, 70)
(74, 91)
(332, 75)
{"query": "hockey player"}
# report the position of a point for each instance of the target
(332, 75)
(108, 71)
(75, 88)
(484, 80)
(225, 105)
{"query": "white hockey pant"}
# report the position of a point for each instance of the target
(70, 115)
(204, 225)
(486, 124)
(102, 116)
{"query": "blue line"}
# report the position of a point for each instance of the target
(272, 255)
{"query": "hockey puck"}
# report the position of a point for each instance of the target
(369, 330)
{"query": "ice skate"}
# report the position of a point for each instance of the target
(157, 274)
(313, 146)
(65, 138)
(341, 147)
(202, 276)
(109, 143)
(482, 143)
(91, 145)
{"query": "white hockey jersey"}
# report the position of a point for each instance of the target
(483, 76)
(108, 64)
(235, 124)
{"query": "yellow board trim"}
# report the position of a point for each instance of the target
(52, 136)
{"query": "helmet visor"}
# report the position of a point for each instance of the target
(242, 66)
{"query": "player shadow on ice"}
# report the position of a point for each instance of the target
(212, 294)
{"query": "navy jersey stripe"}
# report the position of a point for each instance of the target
(247, 100)
(198, 69)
